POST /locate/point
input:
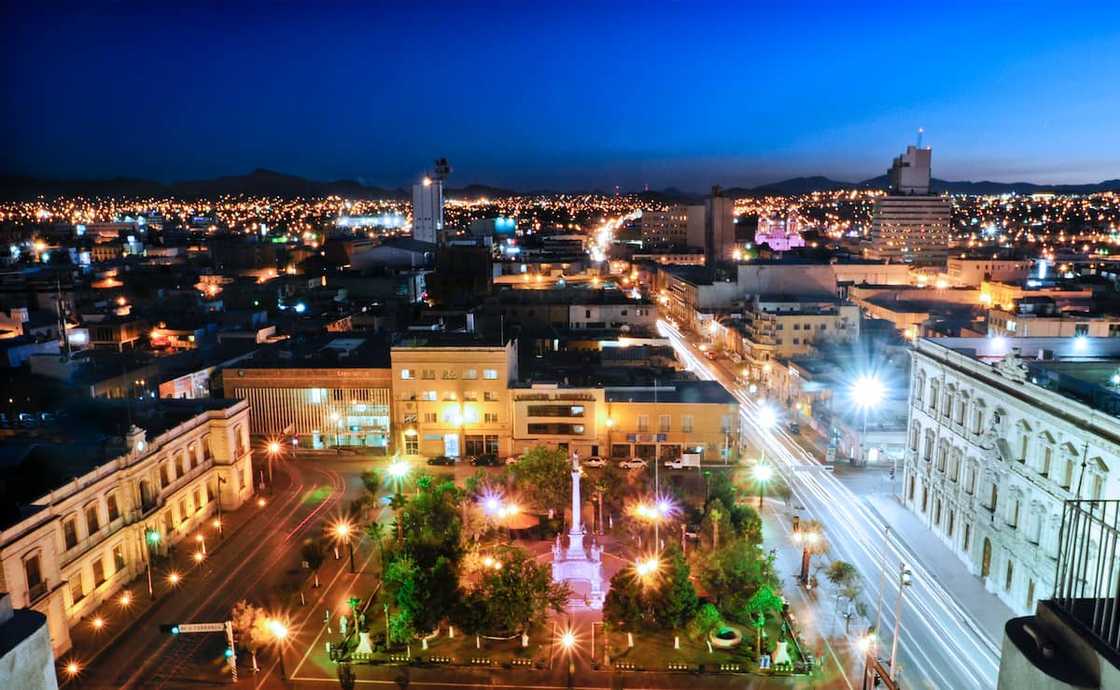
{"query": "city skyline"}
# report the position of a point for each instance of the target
(560, 99)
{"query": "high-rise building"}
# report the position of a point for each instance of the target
(910, 172)
(719, 227)
(427, 210)
(676, 226)
(910, 224)
(427, 204)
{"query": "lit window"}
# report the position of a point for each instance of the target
(490, 374)
(406, 374)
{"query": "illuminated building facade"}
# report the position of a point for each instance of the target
(427, 210)
(86, 539)
(1002, 432)
(451, 395)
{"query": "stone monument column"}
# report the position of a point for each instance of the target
(575, 536)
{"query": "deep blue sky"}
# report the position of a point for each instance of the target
(534, 94)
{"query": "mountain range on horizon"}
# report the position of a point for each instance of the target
(262, 182)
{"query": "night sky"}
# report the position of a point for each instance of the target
(562, 95)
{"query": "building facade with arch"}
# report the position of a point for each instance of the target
(1001, 432)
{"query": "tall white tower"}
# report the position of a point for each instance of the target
(427, 204)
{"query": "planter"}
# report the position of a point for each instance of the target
(726, 637)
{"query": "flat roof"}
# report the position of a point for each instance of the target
(673, 392)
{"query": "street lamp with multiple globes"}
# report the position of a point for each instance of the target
(809, 538)
(342, 531)
(655, 512)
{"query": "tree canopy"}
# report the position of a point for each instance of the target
(543, 476)
(515, 596)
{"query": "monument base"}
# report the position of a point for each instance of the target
(582, 573)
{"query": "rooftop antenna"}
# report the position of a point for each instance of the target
(921, 131)
(442, 170)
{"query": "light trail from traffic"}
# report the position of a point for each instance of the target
(941, 646)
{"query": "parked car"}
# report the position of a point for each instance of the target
(441, 460)
(793, 428)
(594, 461)
(485, 460)
(686, 460)
(633, 464)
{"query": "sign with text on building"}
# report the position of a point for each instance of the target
(201, 627)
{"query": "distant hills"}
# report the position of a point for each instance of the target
(263, 182)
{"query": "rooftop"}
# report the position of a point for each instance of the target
(675, 392)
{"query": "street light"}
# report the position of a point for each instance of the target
(342, 531)
(279, 632)
(762, 474)
(273, 449)
(867, 393)
(568, 642)
(151, 538)
(72, 669)
(808, 538)
(646, 568)
(904, 577)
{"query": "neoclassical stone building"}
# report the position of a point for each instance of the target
(1001, 432)
(81, 539)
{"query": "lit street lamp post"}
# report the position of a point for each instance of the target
(762, 475)
(279, 633)
(342, 531)
(867, 393)
(151, 538)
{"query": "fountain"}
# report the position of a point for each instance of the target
(580, 570)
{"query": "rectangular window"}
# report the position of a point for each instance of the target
(183, 510)
(491, 418)
(686, 423)
(429, 395)
(470, 396)
(76, 591)
(114, 509)
(428, 374)
(492, 444)
(406, 374)
(1078, 329)
(725, 423)
(490, 396)
(70, 533)
(35, 585)
(663, 423)
(490, 374)
(98, 571)
(411, 445)
(197, 498)
(93, 523)
(643, 422)
(118, 558)
(620, 450)
(470, 374)
(429, 417)
(163, 479)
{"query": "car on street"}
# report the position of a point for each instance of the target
(633, 464)
(441, 460)
(594, 461)
(686, 460)
(794, 428)
(485, 460)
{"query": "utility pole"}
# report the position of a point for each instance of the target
(903, 583)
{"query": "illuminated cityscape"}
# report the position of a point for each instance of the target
(520, 372)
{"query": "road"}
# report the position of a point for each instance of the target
(940, 646)
(253, 563)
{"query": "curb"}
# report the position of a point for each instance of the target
(961, 614)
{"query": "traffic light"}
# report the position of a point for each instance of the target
(172, 628)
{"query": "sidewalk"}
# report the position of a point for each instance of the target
(819, 614)
(131, 603)
(985, 608)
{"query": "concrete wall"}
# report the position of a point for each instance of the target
(28, 663)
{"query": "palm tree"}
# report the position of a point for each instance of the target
(376, 531)
(397, 503)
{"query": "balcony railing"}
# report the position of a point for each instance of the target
(1087, 580)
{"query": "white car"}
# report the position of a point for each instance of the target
(633, 464)
(594, 461)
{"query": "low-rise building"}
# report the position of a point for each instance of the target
(1041, 317)
(75, 530)
(971, 272)
(451, 395)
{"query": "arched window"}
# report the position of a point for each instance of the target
(915, 434)
(919, 388)
(927, 455)
(934, 391)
